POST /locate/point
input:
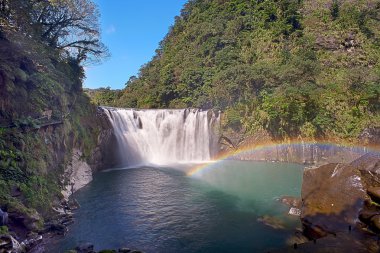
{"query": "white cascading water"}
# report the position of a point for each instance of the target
(164, 136)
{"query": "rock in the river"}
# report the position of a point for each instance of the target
(85, 248)
(375, 223)
(294, 211)
(124, 250)
(291, 201)
(374, 193)
(297, 238)
(3, 218)
(272, 222)
(10, 244)
(31, 241)
(73, 204)
(366, 215)
(56, 228)
(332, 196)
(139, 123)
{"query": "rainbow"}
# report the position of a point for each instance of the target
(272, 146)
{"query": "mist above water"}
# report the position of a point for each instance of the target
(161, 137)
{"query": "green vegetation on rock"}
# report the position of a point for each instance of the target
(292, 68)
(44, 113)
(4, 230)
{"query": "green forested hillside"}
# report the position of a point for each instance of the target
(291, 67)
(103, 96)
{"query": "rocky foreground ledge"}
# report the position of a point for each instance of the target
(340, 207)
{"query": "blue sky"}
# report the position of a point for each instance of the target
(131, 29)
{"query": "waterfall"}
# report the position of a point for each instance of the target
(164, 136)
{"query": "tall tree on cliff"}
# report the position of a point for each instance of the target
(70, 26)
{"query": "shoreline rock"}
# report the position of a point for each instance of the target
(291, 201)
(333, 196)
(77, 174)
(342, 197)
(87, 247)
(9, 244)
(272, 222)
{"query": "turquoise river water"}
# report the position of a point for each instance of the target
(164, 210)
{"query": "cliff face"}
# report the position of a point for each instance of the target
(105, 154)
(50, 135)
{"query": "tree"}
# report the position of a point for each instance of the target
(70, 26)
(131, 80)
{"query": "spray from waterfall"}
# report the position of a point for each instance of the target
(163, 137)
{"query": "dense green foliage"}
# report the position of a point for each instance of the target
(103, 96)
(3, 230)
(44, 113)
(291, 67)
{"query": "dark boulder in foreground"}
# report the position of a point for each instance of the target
(374, 193)
(10, 244)
(340, 199)
(343, 242)
(272, 222)
(124, 250)
(85, 248)
(333, 196)
(89, 248)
